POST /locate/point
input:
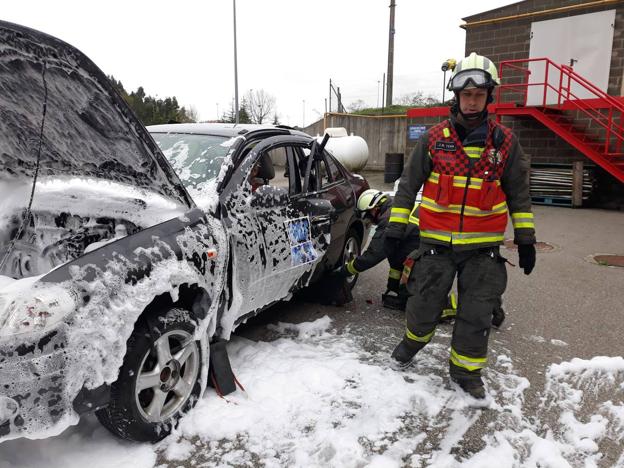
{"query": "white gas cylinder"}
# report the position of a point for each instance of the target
(350, 150)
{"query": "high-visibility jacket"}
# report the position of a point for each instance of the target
(470, 188)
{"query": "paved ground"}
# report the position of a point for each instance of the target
(568, 307)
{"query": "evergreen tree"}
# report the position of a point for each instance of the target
(243, 114)
(151, 110)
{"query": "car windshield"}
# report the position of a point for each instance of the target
(195, 158)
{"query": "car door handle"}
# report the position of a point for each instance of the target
(322, 219)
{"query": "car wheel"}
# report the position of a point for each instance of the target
(352, 249)
(159, 380)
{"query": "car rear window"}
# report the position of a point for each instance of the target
(195, 158)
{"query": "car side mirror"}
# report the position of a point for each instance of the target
(268, 196)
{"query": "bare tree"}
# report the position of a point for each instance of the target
(357, 106)
(260, 105)
(418, 99)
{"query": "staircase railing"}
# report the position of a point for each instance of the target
(565, 96)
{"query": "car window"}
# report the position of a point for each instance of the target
(273, 168)
(333, 169)
(195, 158)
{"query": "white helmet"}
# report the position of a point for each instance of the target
(370, 199)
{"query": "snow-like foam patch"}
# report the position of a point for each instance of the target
(321, 399)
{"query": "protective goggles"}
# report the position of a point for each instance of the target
(478, 78)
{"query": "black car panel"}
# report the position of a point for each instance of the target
(142, 251)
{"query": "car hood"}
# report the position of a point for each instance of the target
(60, 114)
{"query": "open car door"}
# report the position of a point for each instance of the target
(279, 235)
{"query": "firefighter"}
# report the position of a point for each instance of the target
(374, 206)
(474, 175)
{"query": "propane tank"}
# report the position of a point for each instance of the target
(350, 150)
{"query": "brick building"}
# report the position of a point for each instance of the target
(560, 114)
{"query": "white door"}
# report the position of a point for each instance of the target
(583, 41)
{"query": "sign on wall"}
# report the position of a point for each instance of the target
(414, 132)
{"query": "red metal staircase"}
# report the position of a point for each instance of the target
(576, 110)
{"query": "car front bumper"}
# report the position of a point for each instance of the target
(34, 393)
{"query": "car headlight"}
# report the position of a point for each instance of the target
(36, 311)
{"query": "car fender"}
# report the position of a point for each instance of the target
(114, 286)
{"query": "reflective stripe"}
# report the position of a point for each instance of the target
(394, 274)
(448, 313)
(438, 235)
(431, 205)
(413, 217)
(471, 364)
(421, 339)
(522, 220)
(460, 181)
(446, 132)
(464, 238)
(453, 300)
(351, 268)
(477, 237)
(399, 215)
(474, 152)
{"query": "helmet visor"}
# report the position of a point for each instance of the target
(478, 78)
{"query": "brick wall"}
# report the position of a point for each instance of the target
(510, 40)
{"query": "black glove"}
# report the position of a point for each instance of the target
(341, 272)
(526, 255)
(391, 247)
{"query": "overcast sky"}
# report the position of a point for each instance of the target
(290, 48)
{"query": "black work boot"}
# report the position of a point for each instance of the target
(405, 352)
(473, 387)
(498, 317)
(391, 300)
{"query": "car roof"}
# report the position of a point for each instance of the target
(221, 129)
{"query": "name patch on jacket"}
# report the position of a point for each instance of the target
(445, 146)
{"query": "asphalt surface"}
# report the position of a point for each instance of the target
(569, 307)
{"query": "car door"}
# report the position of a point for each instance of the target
(277, 238)
(325, 181)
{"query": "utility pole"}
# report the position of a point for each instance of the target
(390, 54)
(235, 66)
(383, 91)
(330, 92)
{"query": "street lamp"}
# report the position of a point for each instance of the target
(448, 64)
(235, 65)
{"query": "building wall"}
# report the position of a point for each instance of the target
(510, 40)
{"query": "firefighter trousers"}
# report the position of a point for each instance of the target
(481, 281)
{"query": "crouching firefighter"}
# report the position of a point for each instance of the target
(474, 175)
(374, 207)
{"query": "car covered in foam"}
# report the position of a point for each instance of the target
(125, 255)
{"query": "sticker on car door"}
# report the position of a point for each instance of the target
(301, 249)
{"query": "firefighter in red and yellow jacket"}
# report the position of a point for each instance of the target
(475, 176)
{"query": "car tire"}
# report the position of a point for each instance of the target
(352, 248)
(159, 380)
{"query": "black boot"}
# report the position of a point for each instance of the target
(391, 300)
(405, 352)
(498, 317)
(473, 387)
